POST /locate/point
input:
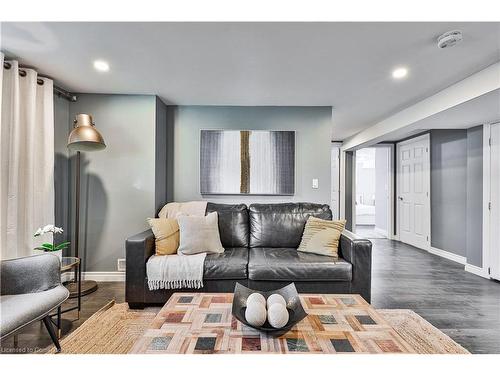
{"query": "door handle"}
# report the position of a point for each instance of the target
(400, 198)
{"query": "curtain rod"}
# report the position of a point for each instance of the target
(57, 90)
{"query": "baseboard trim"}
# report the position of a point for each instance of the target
(479, 271)
(446, 254)
(380, 231)
(104, 276)
(96, 276)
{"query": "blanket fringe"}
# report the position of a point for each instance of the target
(174, 284)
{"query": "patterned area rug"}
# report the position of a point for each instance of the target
(114, 329)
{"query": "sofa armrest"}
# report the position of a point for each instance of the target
(138, 249)
(30, 274)
(358, 251)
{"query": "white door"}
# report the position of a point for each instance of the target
(413, 198)
(495, 202)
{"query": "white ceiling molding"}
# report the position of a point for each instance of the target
(480, 83)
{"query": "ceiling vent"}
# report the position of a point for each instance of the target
(450, 39)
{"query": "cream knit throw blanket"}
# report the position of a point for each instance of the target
(175, 271)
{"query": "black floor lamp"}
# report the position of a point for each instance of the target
(84, 137)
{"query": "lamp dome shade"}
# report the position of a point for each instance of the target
(84, 136)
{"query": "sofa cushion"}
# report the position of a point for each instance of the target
(230, 265)
(282, 224)
(290, 265)
(199, 234)
(233, 223)
(166, 233)
(17, 310)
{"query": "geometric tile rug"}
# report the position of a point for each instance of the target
(115, 329)
(202, 323)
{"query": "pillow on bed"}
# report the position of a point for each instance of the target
(321, 236)
(199, 234)
(166, 233)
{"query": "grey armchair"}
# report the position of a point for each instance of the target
(30, 289)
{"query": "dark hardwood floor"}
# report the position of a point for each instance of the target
(464, 306)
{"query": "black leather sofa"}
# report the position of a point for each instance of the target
(260, 252)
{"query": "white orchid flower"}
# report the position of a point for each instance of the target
(48, 228)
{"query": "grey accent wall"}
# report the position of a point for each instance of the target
(62, 126)
(313, 132)
(449, 190)
(164, 154)
(118, 183)
(474, 229)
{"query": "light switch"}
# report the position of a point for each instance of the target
(315, 184)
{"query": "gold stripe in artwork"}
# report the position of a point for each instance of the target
(245, 161)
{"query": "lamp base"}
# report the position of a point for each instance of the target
(88, 286)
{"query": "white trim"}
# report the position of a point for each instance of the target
(446, 254)
(335, 179)
(342, 184)
(477, 271)
(96, 276)
(67, 276)
(480, 83)
(104, 276)
(380, 231)
(422, 137)
(486, 196)
(354, 192)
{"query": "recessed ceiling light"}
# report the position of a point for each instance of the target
(101, 65)
(399, 73)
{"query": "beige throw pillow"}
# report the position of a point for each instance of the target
(166, 233)
(321, 236)
(199, 234)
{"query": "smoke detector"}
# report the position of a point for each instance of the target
(450, 39)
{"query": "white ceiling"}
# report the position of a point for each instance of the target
(344, 65)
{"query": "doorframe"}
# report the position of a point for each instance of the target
(483, 271)
(487, 249)
(390, 192)
(426, 137)
(335, 179)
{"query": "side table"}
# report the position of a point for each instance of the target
(67, 264)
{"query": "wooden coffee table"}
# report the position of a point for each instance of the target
(203, 323)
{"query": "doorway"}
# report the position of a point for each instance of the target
(372, 191)
(413, 192)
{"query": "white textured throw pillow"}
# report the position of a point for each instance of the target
(199, 234)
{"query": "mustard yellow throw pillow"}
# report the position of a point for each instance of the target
(321, 236)
(166, 233)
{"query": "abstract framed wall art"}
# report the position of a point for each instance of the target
(250, 162)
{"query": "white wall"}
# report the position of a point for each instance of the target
(365, 176)
(381, 187)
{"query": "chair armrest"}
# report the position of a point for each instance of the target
(358, 251)
(138, 249)
(30, 274)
